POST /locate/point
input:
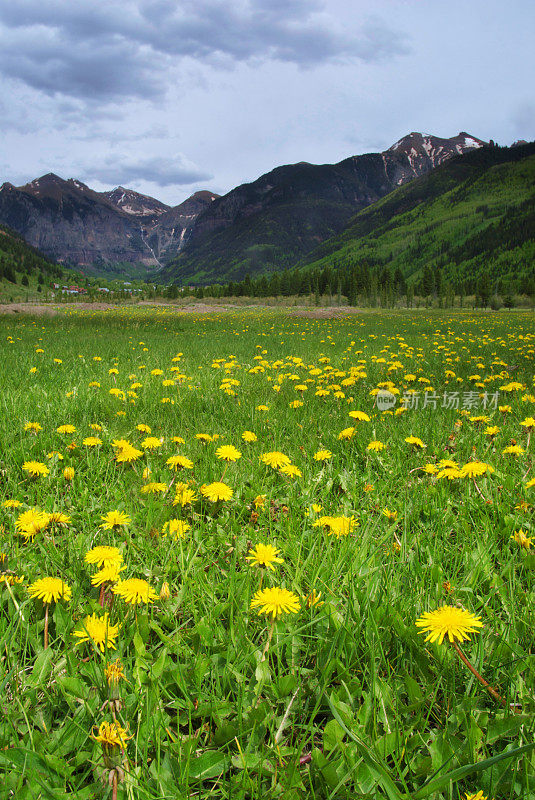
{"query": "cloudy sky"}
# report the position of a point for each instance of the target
(170, 96)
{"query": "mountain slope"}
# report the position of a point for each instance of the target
(19, 261)
(75, 225)
(275, 220)
(474, 215)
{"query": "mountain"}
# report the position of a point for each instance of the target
(271, 223)
(72, 224)
(18, 262)
(473, 216)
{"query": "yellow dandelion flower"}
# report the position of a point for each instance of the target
(98, 630)
(361, 416)
(347, 434)
(114, 672)
(322, 455)
(104, 556)
(275, 601)
(114, 519)
(151, 443)
(227, 452)
(176, 528)
(69, 429)
(68, 473)
(111, 735)
(455, 623)
(153, 488)
(50, 590)
(264, 555)
(376, 446)
(291, 471)
(109, 573)
(249, 436)
(35, 468)
(522, 540)
(275, 459)
(179, 462)
(135, 590)
(216, 491)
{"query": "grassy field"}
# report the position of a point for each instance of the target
(203, 693)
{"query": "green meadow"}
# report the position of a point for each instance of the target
(220, 692)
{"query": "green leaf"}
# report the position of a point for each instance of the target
(209, 765)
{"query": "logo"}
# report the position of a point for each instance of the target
(385, 400)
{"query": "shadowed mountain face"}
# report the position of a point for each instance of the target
(272, 222)
(72, 224)
(257, 227)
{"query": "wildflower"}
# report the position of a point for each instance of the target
(204, 437)
(179, 462)
(35, 468)
(177, 528)
(249, 436)
(31, 522)
(322, 455)
(92, 441)
(227, 453)
(99, 630)
(109, 573)
(264, 555)
(114, 672)
(259, 501)
(178, 440)
(125, 453)
(111, 735)
(216, 491)
(522, 540)
(530, 483)
(475, 468)
(50, 590)
(69, 429)
(376, 445)
(337, 526)
(114, 519)
(347, 433)
(142, 427)
(184, 495)
(491, 430)
(95, 426)
(291, 471)
(313, 599)
(275, 601)
(153, 488)
(11, 503)
(34, 427)
(165, 593)
(262, 408)
(476, 796)
(513, 450)
(135, 590)
(275, 459)
(455, 623)
(528, 423)
(59, 518)
(368, 487)
(361, 416)
(390, 515)
(450, 473)
(104, 556)
(414, 440)
(68, 473)
(151, 443)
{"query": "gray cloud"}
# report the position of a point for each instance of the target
(160, 170)
(126, 49)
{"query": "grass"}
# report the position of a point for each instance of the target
(349, 701)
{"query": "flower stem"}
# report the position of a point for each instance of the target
(480, 678)
(268, 642)
(46, 625)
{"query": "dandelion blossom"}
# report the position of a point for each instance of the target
(275, 601)
(35, 468)
(111, 734)
(135, 590)
(521, 539)
(99, 630)
(104, 556)
(50, 590)
(216, 491)
(176, 528)
(264, 555)
(179, 462)
(275, 459)
(114, 519)
(455, 623)
(227, 452)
